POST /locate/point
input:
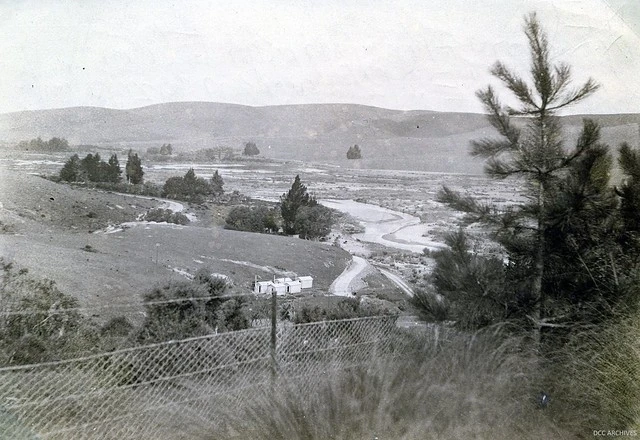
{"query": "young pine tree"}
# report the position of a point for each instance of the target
(217, 184)
(133, 169)
(531, 148)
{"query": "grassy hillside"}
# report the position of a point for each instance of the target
(45, 228)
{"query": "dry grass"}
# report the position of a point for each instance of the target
(483, 387)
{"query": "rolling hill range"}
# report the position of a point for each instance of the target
(391, 139)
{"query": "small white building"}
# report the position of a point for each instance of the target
(280, 289)
(293, 286)
(262, 286)
(306, 281)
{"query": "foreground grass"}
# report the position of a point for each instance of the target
(484, 386)
(476, 388)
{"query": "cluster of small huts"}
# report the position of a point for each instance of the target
(283, 286)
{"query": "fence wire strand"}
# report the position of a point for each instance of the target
(151, 392)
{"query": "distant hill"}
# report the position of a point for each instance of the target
(420, 139)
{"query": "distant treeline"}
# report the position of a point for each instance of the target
(93, 169)
(37, 144)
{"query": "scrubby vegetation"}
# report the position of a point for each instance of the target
(344, 309)
(38, 322)
(166, 215)
(208, 310)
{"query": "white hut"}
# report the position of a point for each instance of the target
(293, 286)
(306, 282)
(261, 286)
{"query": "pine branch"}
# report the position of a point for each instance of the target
(561, 80)
(629, 161)
(588, 139)
(517, 85)
(496, 115)
(488, 147)
(577, 95)
(466, 204)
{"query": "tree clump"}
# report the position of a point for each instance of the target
(302, 215)
(250, 149)
(91, 169)
(354, 152)
(192, 188)
(252, 219)
(37, 144)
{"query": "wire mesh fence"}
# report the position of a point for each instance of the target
(153, 391)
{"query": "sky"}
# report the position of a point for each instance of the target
(402, 54)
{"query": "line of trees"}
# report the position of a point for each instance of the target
(91, 169)
(37, 144)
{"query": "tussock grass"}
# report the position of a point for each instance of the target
(596, 378)
(483, 386)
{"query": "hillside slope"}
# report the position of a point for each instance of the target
(44, 227)
(392, 139)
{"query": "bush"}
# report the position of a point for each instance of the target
(192, 188)
(183, 309)
(258, 219)
(166, 215)
(51, 330)
(346, 308)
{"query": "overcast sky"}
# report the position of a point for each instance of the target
(402, 54)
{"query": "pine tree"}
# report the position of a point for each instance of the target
(70, 172)
(217, 184)
(290, 202)
(532, 150)
(113, 170)
(133, 169)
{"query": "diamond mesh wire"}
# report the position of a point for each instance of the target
(157, 391)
